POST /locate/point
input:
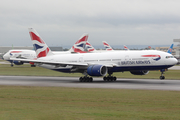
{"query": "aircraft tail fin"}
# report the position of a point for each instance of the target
(107, 46)
(89, 47)
(42, 50)
(170, 49)
(79, 46)
(125, 47)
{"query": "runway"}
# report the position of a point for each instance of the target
(148, 84)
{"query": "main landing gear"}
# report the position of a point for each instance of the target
(12, 64)
(109, 78)
(85, 79)
(162, 72)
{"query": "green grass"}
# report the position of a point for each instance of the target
(38, 103)
(26, 70)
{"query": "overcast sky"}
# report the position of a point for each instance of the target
(62, 22)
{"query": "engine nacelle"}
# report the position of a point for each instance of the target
(141, 72)
(18, 62)
(97, 70)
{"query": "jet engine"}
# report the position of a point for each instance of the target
(141, 72)
(18, 62)
(97, 70)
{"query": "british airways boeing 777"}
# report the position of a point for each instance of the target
(101, 64)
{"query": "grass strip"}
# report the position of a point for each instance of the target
(18, 102)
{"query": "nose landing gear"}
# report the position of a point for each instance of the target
(12, 64)
(162, 72)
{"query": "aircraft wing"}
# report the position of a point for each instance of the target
(50, 62)
(60, 64)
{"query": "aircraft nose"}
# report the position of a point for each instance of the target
(5, 57)
(174, 61)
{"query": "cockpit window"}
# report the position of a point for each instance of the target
(169, 56)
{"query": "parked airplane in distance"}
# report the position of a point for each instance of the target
(18, 53)
(78, 47)
(125, 47)
(101, 64)
(170, 49)
(89, 47)
(107, 46)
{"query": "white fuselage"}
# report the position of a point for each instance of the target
(119, 60)
(27, 54)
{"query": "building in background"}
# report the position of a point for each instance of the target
(165, 49)
(177, 55)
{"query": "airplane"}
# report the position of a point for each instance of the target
(18, 53)
(170, 49)
(101, 64)
(126, 48)
(107, 46)
(78, 47)
(89, 47)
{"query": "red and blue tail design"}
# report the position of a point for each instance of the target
(107, 46)
(42, 50)
(79, 46)
(125, 47)
(89, 47)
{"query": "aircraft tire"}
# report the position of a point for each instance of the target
(162, 77)
(81, 79)
(114, 78)
(105, 78)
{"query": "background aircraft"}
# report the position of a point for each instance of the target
(89, 47)
(125, 47)
(170, 49)
(78, 47)
(107, 46)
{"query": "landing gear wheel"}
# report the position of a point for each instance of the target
(162, 72)
(91, 79)
(114, 78)
(81, 79)
(162, 77)
(105, 78)
(85, 79)
(109, 78)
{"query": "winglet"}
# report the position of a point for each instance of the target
(42, 50)
(170, 49)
